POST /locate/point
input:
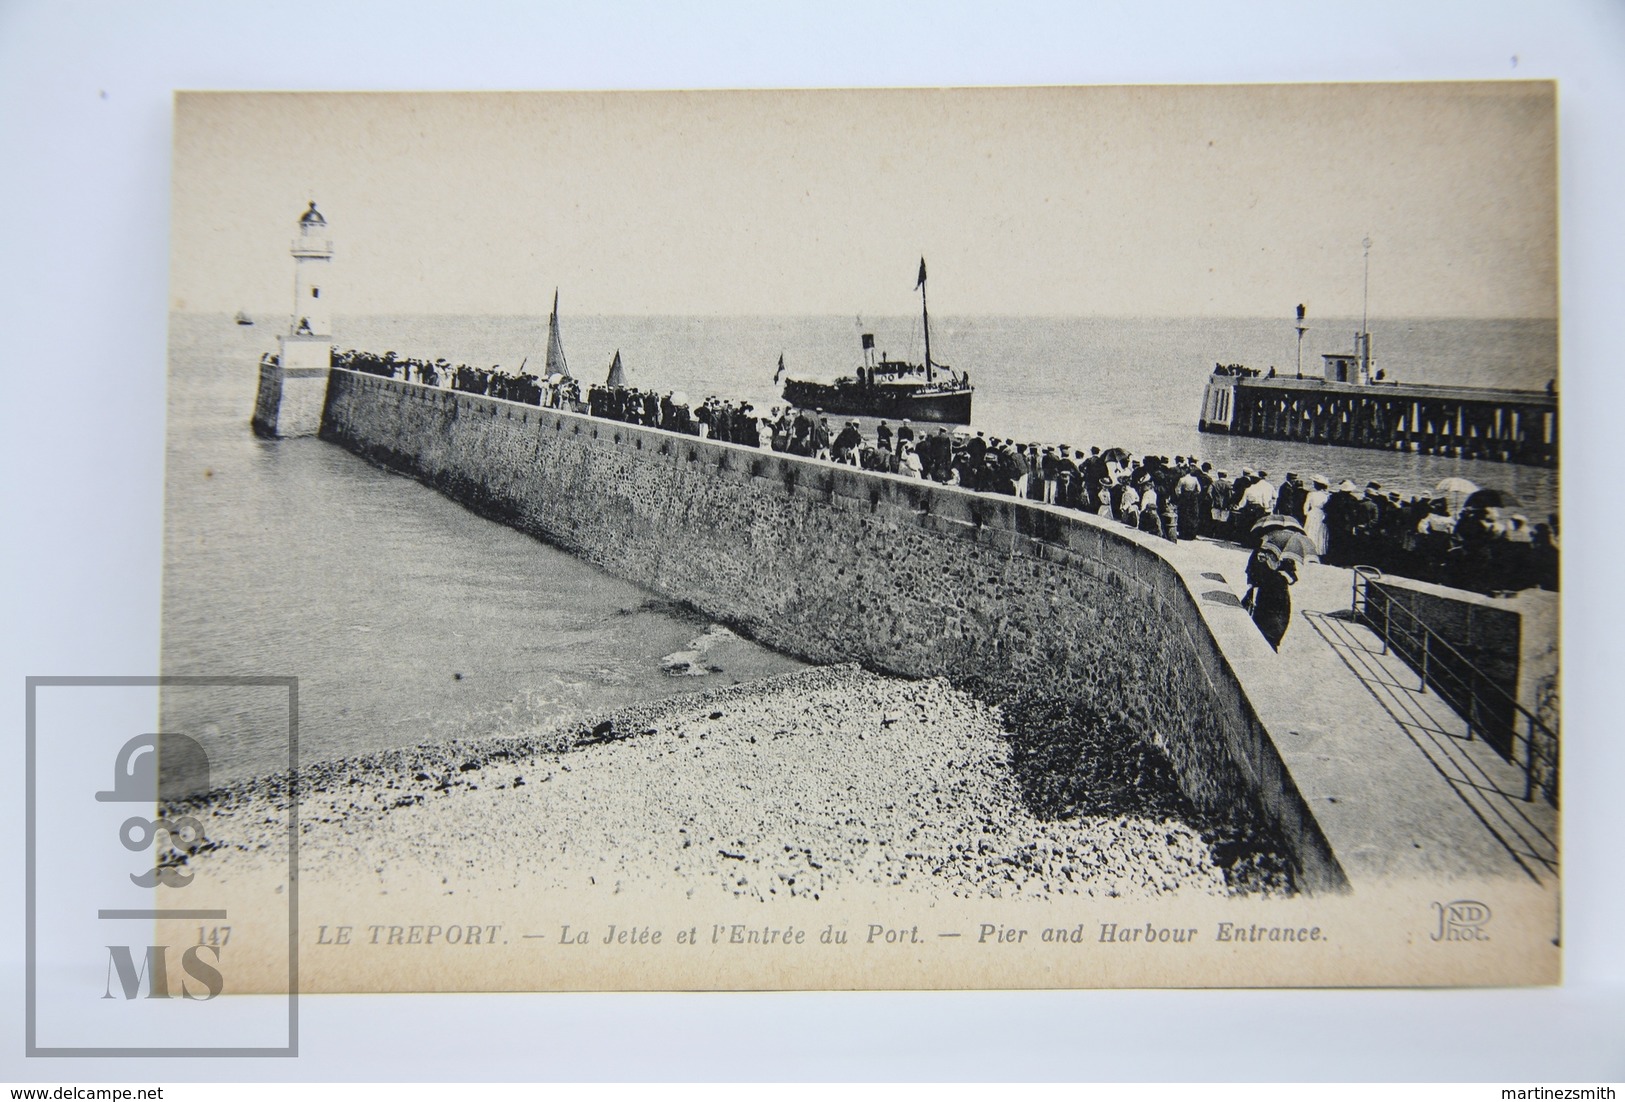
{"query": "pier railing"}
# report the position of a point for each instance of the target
(1484, 704)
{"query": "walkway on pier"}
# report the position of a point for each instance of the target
(1396, 785)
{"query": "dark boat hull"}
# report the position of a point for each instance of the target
(946, 406)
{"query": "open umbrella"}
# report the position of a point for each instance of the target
(1289, 544)
(1115, 455)
(1278, 522)
(1455, 491)
(1490, 499)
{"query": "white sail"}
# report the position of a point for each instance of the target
(556, 364)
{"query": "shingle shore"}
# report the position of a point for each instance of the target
(811, 784)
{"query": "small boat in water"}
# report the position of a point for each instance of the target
(243, 318)
(889, 388)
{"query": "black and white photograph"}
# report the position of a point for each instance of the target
(812, 542)
(1051, 536)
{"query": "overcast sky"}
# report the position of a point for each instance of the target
(1233, 201)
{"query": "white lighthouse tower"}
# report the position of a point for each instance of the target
(293, 386)
(310, 330)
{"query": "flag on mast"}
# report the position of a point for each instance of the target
(921, 281)
(780, 372)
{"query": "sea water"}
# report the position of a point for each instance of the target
(1135, 383)
(409, 619)
(405, 617)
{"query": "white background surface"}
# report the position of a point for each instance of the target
(84, 129)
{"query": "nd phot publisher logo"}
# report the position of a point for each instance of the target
(1461, 920)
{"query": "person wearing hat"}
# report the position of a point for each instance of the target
(1518, 554)
(1187, 503)
(1480, 540)
(1150, 504)
(1031, 485)
(1256, 501)
(823, 437)
(1093, 478)
(846, 444)
(908, 460)
(1369, 514)
(801, 433)
(1014, 469)
(944, 454)
(1167, 479)
(1125, 501)
(1434, 533)
(1314, 513)
(1066, 479)
(1269, 594)
(883, 437)
(1289, 499)
(1220, 495)
(1342, 514)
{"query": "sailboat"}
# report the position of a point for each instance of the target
(557, 368)
(928, 391)
(617, 373)
(243, 318)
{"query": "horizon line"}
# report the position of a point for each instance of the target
(947, 314)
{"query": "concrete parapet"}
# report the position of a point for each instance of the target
(832, 563)
(1511, 643)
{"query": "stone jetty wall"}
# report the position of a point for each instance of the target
(831, 564)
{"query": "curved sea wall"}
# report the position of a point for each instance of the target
(835, 564)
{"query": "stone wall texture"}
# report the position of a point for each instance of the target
(830, 563)
(289, 403)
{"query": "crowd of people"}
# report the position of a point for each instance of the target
(1474, 547)
(1240, 371)
(562, 393)
(1476, 543)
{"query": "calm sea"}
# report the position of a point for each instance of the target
(295, 557)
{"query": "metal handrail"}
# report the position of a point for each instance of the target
(1366, 578)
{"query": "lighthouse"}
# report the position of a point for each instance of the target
(312, 253)
(293, 383)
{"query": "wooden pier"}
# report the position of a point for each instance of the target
(1509, 426)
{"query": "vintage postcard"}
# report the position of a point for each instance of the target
(963, 538)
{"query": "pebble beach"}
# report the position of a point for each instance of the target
(813, 784)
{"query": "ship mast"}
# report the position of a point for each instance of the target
(925, 318)
(1365, 307)
(1365, 296)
